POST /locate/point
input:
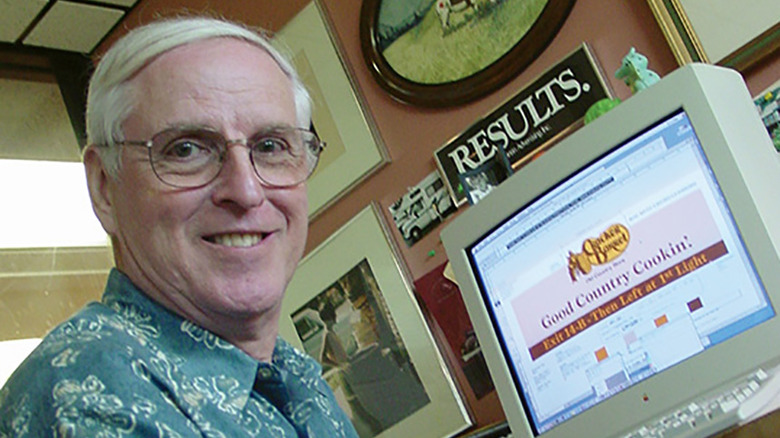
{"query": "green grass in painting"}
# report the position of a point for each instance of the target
(430, 55)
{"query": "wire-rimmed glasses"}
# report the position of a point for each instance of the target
(193, 157)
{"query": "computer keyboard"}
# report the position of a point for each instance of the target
(757, 404)
(707, 415)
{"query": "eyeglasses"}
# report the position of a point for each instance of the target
(192, 158)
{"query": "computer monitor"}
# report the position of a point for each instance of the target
(631, 268)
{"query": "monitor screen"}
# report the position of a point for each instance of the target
(619, 256)
(654, 272)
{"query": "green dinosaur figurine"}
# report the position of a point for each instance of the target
(634, 72)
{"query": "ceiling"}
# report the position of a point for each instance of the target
(44, 61)
(75, 25)
(46, 51)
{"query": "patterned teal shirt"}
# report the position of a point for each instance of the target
(128, 367)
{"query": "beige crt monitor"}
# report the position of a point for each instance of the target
(633, 268)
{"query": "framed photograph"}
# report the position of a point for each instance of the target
(768, 106)
(353, 151)
(447, 52)
(478, 183)
(725, 32)
(351, 307)
(445, 303)
(422, 208)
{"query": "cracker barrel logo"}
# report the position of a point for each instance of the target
(599, 250)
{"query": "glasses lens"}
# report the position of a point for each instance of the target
(193, 158)
(285, 157)
(186, 158)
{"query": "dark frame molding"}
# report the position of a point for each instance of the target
(470, 88)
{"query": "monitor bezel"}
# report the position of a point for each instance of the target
(741, 156)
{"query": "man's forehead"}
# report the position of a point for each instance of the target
(215, 65)
(206, 52)
(214, 83)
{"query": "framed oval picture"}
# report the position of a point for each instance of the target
(447, 52)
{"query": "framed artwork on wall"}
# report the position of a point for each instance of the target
(422, 208)
(447, 52)
(768, 106)
(353, 150)
(528, 123)
(443, 299)
(724, 32)
(351, 306)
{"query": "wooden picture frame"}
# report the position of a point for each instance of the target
(724, 32)
(356, 276)
(421, 36)
(353, 151)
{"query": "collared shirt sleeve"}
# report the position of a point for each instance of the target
(128, 367)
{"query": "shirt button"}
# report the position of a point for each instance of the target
(265, 373)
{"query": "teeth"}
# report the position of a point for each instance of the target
(239, 240)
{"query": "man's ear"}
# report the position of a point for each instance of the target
(99, 191)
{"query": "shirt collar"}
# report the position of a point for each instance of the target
(204, 351)
(173, 335)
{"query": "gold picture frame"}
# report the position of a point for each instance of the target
(724, 32)
(353, 150)
(391, 378)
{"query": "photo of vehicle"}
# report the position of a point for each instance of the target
(422, 208)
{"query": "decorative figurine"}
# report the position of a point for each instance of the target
(599, 108)
(634, 72)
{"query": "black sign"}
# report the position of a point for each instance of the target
(527, 122)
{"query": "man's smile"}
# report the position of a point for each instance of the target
(243, 240)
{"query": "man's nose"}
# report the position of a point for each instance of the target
(237, 182)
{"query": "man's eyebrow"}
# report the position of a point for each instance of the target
(275, 127)
(185, 126)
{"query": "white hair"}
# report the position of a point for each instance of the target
(111, 99)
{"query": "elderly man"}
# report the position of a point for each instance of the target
(196, 168)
